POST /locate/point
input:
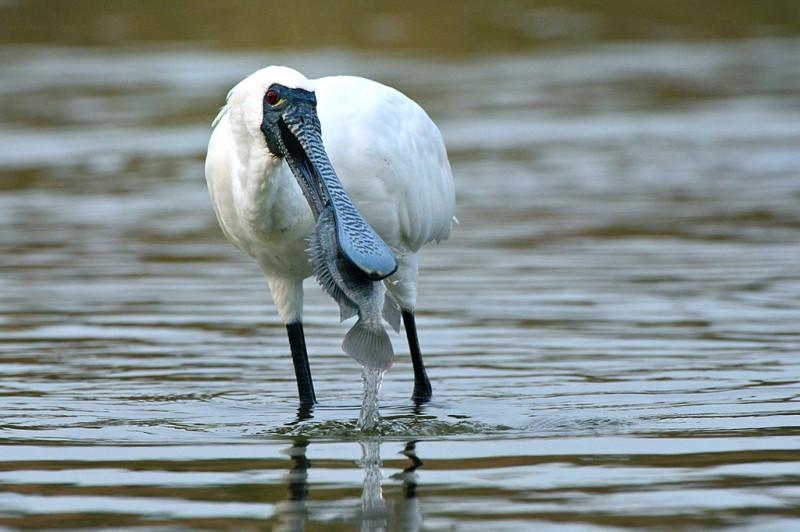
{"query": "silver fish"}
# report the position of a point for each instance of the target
(355, 293)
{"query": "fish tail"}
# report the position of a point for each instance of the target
(370, 346)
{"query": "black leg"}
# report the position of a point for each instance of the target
(422, 386)
(297, 343)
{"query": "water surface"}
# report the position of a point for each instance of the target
(611, 332)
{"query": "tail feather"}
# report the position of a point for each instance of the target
(371, 347)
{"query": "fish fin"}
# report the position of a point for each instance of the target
(317, 252)
(346, 311)
(317, 259)
(371, 347)
(391, 312)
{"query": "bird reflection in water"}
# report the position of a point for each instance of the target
(376, 514)
(410, 514)
(292, 513)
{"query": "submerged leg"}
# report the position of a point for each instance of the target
(422, 386)
(297, 343)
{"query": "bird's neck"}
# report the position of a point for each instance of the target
(275, 209)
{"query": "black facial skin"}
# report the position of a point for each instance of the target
(288, 113)
(289, 105)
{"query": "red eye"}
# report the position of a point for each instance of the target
(272, 97)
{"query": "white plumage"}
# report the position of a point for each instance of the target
(387, 153)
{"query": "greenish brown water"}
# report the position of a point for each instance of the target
(612, 332)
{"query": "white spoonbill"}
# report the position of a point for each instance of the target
(341, 177)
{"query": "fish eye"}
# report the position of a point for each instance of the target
(272, 97)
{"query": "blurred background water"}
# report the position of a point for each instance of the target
(612, 331)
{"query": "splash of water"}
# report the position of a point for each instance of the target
(370, 417)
